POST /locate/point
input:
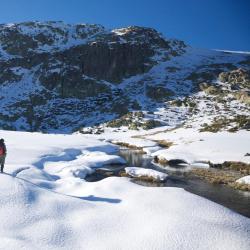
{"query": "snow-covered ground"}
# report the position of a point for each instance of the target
(192, 146)
(45, 203)
(189, 144)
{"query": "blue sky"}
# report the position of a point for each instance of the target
(220, 24)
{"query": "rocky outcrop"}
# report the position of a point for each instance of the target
(236, 78)
(89, 49)
(158, 93)
(67, 71)
(243, 96)
(59, 77)
(110, 63)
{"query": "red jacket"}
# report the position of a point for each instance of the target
(3, 146)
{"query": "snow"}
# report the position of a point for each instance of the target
(192, 146)
(151, 150)
(233, 51)
(244, 180)
(143, 172)
(120, 32)
(45, 203)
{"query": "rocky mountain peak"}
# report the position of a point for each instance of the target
(23, 38)
(56, 76)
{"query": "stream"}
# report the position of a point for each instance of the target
(236, 200)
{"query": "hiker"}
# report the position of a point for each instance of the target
(3, 152)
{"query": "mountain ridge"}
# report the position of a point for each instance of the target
(58, 77)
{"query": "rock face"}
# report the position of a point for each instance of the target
(90, 49)
(59, 77)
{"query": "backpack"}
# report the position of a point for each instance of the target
(1, 150)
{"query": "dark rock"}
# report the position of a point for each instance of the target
(158, 93)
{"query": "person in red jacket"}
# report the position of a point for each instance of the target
(3, 152)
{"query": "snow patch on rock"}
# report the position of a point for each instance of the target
(143, 172)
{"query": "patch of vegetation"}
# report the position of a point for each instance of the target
(238, 166)
(95, 130)
(186, 102)
(127, 145)
(140, 178)
(176, 103)
(239, 77)
(215, 177)
(117, 123)
(149, 124)
(210, 89)
(231, 124)
(213, 90)
(134, 121)
(224, 177)
(240, 186)
(126, 120)
(158, 93)
(134, 126)
(164, 143)
(160, 160)
(243, 96)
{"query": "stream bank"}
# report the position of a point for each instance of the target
(233, 199)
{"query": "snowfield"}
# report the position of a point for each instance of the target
(191, 146)
(45, 203)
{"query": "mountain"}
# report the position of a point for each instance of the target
(57, 77)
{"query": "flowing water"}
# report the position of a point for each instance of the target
(236, 200)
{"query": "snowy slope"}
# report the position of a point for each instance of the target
(44, 211)
(61, 77)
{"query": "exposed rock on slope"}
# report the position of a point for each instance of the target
(59, 77)
(239, 78)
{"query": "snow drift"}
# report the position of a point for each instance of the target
(41, 209)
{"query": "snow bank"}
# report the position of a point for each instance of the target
(139, 172)
(83, 165)
(192, 146)
(45, 203)
(244, 180)
(151, 150)
(109, 214)
(189, 144)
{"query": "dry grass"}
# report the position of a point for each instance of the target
(140, 178)
(243, 168)
(164, 143)
(240, 186)
(161, 161)
(221, 176)
(130, 146)
(215, 176)
(230, 124)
